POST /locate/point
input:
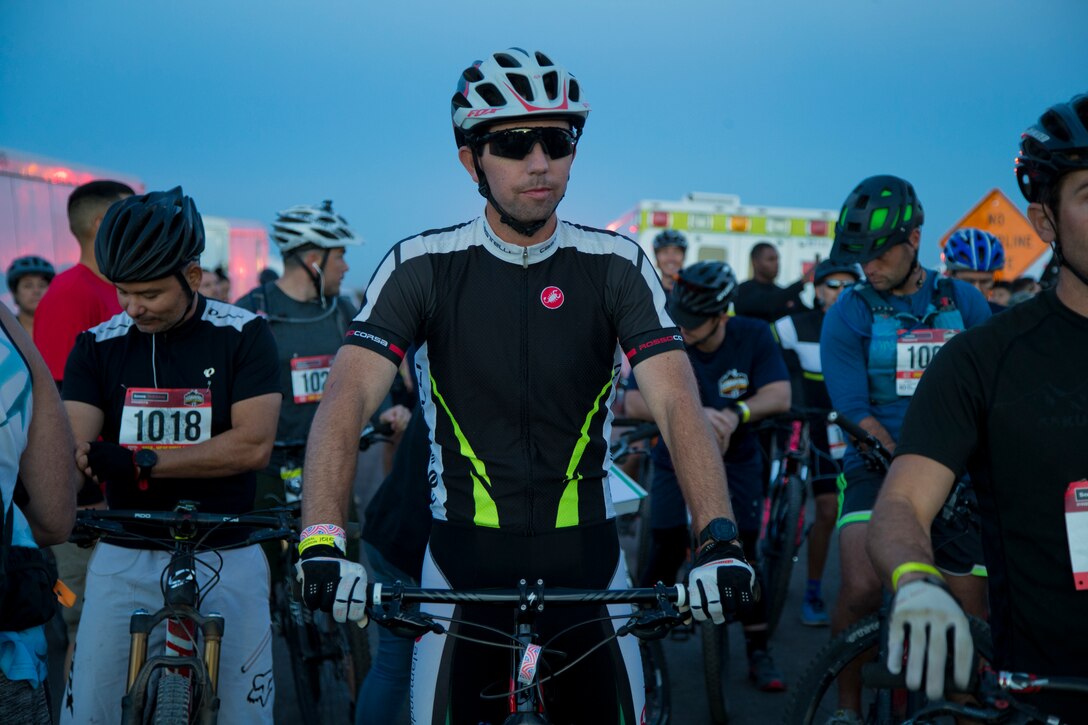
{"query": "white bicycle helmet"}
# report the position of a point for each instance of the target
(515, 84)
(305, 225)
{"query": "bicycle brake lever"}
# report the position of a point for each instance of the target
(655, 623)
(390, 616)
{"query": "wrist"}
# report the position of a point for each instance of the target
(913, 571)
(741, 410)
(320, 536)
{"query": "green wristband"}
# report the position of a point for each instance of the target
(912, 566)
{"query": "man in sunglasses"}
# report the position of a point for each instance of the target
(799, 336)
(520, 323)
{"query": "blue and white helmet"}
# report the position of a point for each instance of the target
(974, 250)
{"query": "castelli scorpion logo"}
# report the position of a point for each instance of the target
(552, 298)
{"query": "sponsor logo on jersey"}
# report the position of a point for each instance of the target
(372, 338)
(552, 297)
(733, 384)
(193, 398)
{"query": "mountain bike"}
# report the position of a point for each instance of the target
(636, 525)
(863, 646)
(188, 684)
(994, 699)
(660, 611)
(329, 659)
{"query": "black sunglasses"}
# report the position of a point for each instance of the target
(837, 283)
(516, 143)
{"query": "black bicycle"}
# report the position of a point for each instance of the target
(660, 611)
(188, 685)
(993, 699)
(329, 659)
(863, 646)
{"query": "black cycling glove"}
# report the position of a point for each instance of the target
(111, 463)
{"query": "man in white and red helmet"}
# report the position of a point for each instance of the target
(520, 322)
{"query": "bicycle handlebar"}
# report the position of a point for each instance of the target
(876, 453)
(383, 594)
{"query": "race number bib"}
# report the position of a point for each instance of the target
(1076, 530)
(166, 417)
(914, 351)
(308, 376)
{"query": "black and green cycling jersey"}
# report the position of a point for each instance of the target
(518, 354)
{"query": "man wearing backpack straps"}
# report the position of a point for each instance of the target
(876, 342)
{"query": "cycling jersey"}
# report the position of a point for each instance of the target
(307, 337)
(174, 388)
(767, 301)
(519, 350)
(1007, 401)
(799, 336)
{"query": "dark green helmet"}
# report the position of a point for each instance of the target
(880, 212)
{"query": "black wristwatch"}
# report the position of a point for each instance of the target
(719, 530)
(146, 459)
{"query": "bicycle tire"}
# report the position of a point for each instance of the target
(172, 698)
(807, 704)
(655, 674)
(716, 669)
(780, 549)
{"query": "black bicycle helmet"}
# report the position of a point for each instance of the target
(826, 268)
(1055, 145)
(22, 266)
(702, 291)
(148, 237)
(670, 238)
(880, 212)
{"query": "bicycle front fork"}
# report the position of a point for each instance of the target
(205, 670)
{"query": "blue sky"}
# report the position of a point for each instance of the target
(256, 106)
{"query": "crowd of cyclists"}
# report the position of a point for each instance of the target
(499, 350)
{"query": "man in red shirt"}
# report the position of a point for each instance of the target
(79, 298)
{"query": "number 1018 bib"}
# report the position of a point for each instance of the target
(166, 417)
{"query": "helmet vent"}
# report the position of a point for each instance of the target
(551, 85)
(491, 95)
(1054, 126)
(459, 101)
(574, 91)
(542, 59)
(862, 201)
(506, 60)
(522, 85)
(473, 74)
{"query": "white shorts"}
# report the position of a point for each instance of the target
(120, 580)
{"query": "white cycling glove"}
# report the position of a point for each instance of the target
(721, 582)
(926, 612)
(329, 581)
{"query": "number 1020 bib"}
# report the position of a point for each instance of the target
(166, 417)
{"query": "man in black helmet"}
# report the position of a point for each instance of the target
(876, 342)
(670, 246)
(520, 322)
(184, 393)
(1007, 402)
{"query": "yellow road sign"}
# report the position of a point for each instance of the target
(1000, 217)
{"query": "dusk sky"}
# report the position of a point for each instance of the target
(256, 106)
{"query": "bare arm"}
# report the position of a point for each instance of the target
(911, 496)
(771, 399)
(357, 383)
(668, 386)
(47, 466)
(247, 446)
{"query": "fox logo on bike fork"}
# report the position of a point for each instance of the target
(261, 689)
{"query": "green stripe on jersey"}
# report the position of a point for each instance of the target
(487, 514)
(568, 503)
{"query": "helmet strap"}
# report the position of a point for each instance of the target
(316, 275)
(526, 229)
(910, 272)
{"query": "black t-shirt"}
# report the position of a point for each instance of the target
(767, 301)
(222, 352)
(1008, 400)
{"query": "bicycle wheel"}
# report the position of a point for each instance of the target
(328, 661)
(716, 669)
(172, 698)
(815, 695)
(655, 674)
(779, 544)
